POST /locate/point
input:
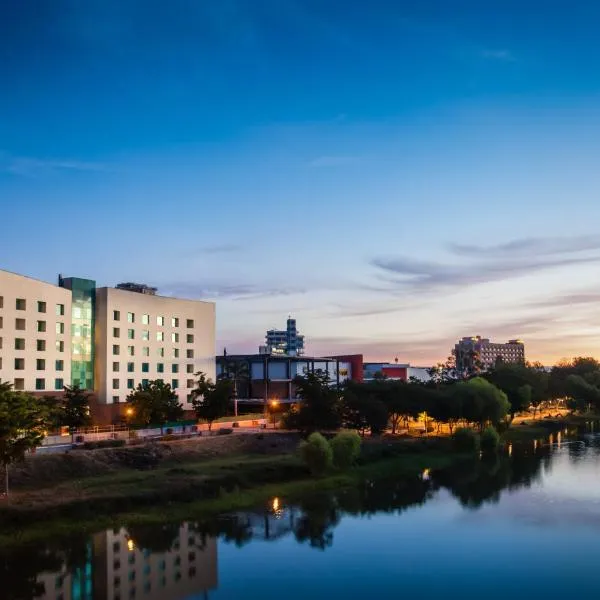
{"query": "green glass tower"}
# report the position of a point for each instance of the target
(82, 330)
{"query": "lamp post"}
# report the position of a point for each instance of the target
(274, 404)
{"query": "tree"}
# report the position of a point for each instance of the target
(320, 406)
(155, 403)
(237, 371)
(345, 447)
(583, 366)
(210, 400)
(481, 402)
(363, 408)
(445, 407)
(316, 453)
(76, 407)
(23, 421)
(583, 393)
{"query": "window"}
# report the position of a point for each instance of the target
(116, 399)
(76, 312)
(145, 383)
(130, 367)
(190, 368)
(116, 349)
(1, 322)
(116, 580)
(115, 367)
(41, 326)
(175, 368)
(116, 315)
(60, 328)
(19, 384)
(145, 367)
(130, 350)
(41, 345)
(192, 572)
(190, 384)
(190, 323)
(59, 384)
(41, 307)
(175, 322)
(19, 364)
(131, 575)
(177, 561)
(40, 384)
(161, 352)
(189, 353)
(21, 304)
(160, 368)
(175, 338)
(60, 346)
(130, 384)
(160, 321)
(145, 351)
(130, 317)
(19, 343)
(146, 335)
(20, 324)
(160, 336)
(1, 301)
(145, 319)
(175, 352)
(130, 334)
(175, 383)
(59, 365)
(189, 338)
(40, 364)
(60, 310)
(115, 385)
(116, 332)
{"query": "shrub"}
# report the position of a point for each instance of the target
(102, 444)
(345, 447)
(490, 440)
(465, 440)
(224, 431)
(316, 453)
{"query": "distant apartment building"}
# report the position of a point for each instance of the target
(471, 350)
(104, 340)
(284, 341)
(395, 371)
(120, 565)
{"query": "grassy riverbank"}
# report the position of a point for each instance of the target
(197, 489)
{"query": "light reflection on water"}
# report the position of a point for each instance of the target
(524, 526)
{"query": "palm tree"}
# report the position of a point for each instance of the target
(236, 371)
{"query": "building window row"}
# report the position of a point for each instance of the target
(144, 382)
(145, 367)
(116, 350)
(42, 306)
(160, 320)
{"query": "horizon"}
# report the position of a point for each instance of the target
(394, 177)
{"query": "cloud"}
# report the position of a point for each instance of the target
(581, 299)
(505, 55)
(220, 249)
(537, 246)
(32, 167)
(334, 161)
(219, 290)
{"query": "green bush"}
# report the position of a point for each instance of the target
(490, 440)
(465, 440)
(103, 444)
(316, 453)
(224, 431)
(345, 447)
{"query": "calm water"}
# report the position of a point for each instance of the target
(525, 526)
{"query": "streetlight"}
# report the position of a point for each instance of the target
(274, 405)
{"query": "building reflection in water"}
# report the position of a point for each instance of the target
(138, 563)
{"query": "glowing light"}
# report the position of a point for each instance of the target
(275, 504)
(510, 449)
(425, 474)
(274, 403)
(130, 545)
(129, 411)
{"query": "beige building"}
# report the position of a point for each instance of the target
(104, 340)
(142, 337)
(35, 333)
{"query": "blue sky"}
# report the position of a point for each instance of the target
(394, 174)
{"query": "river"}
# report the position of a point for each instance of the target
(524, 526)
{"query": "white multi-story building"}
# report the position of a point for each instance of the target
(477, 351)
(104, 340)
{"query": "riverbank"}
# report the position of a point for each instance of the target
(179, 489)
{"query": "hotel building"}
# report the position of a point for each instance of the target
(471, 350)
(104, 340)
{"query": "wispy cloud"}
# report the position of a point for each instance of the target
(530, 246)
(498, 54)
(220, 249)
(33, 167)
(334, 161)
(231, 291)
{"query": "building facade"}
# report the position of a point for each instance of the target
(284, 341)
(477, 352)
(395, 371)
(104, 340)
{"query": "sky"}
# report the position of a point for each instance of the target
(395, 175)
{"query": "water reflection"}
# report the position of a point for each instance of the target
(178, 561)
